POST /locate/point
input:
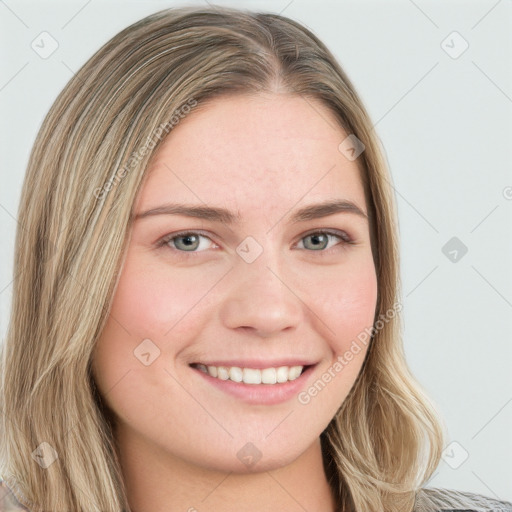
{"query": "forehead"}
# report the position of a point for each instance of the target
(265, 151)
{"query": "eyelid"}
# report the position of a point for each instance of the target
(330, 231)
(167, 238)
(345, 238)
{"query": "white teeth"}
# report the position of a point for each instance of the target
(222, 373)
(295, 371)
(268, 376)
(253, 375)
(236, 374)
(282, 374)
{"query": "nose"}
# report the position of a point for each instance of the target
(260, 300)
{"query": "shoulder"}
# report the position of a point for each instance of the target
(8, 501)
(448, 500)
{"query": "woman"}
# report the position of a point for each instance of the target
(205, 310)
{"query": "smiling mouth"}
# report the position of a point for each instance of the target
(271, 375)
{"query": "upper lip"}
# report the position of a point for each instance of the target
(258, 363)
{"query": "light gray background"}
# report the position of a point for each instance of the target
(446, 125)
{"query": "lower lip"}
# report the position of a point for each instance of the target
(266, 394)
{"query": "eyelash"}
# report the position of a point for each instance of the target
(344, 237)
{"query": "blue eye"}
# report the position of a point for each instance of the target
(190, 241)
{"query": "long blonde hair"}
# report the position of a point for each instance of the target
(85, 170)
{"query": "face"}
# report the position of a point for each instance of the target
(265, 290)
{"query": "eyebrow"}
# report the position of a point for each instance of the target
(218, 214)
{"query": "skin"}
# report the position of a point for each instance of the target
(264, 156)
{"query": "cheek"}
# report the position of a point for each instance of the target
(152, 300)
(346, 301)
(147, 305)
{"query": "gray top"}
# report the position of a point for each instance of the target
(427, 500)
(448, 500)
